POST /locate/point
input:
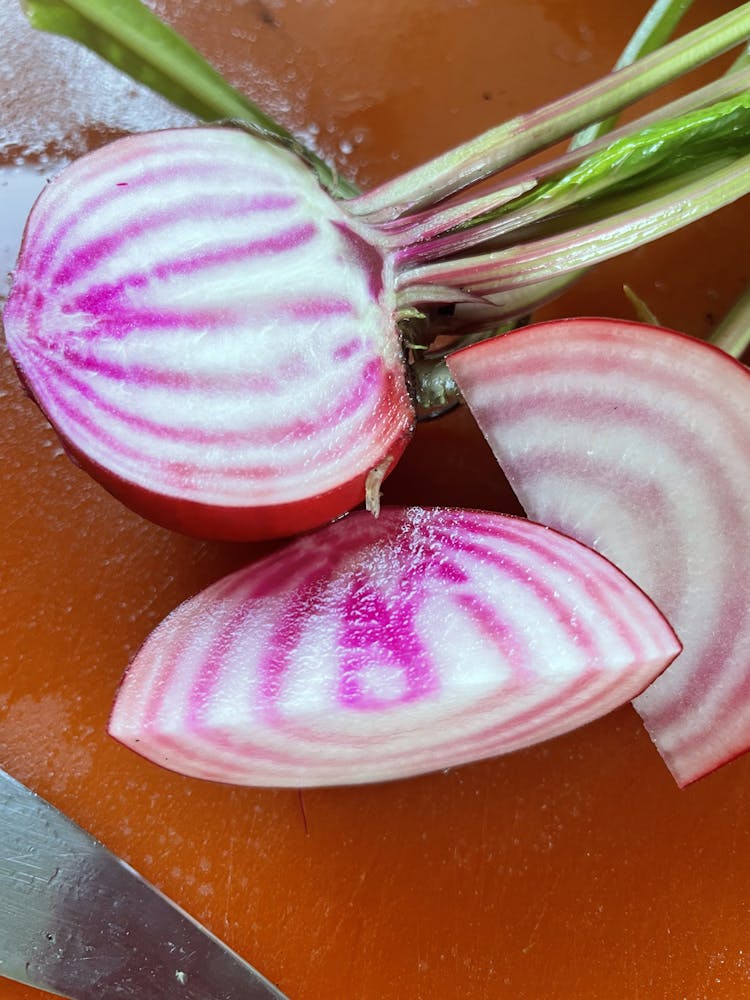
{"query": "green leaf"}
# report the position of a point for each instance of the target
(128, 35)
(648, 161)
(666, 150)
(137, 42)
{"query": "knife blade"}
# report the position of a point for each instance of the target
(77, 921)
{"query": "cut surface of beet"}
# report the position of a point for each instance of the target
(636, 441)
(382, 648)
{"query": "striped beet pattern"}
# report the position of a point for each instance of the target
(381, 648)
(201, 322)
(636, 441)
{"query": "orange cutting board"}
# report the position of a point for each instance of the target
(575, 869)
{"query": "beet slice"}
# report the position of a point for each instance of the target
(636, 441)
(382, 648)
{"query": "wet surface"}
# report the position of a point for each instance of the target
(575, 869)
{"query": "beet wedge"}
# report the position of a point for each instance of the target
(636, 441)
(382, 648)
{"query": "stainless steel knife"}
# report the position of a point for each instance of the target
(77, 921)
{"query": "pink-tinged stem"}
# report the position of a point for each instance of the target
(492, 273)
(513, 141)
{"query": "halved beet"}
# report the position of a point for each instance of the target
(376, 649)
(636, 441)
(209, 333)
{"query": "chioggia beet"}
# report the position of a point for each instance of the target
(209, 334)
(636, 440)
(230, 338)
(381, 648)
